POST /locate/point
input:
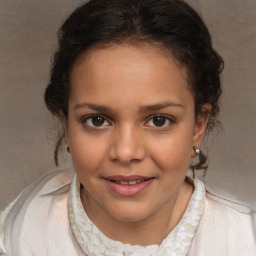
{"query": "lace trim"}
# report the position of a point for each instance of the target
(94, 243)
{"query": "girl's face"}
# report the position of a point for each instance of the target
(131, 128)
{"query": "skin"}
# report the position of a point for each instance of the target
(132, 83)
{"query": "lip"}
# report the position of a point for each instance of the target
(127, 178)
(114, 184)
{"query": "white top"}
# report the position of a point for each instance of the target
(48, 219)
(177, 243)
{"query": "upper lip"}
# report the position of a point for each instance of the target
(127, 178)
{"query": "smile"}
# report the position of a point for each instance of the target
(130, 182)
(128, 186)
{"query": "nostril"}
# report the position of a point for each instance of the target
(127, 145)
(127, 154)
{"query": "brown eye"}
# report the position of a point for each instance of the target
(98, 121)
(95, 121)
(159, 120)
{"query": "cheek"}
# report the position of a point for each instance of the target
(87, 152)
(173, 151)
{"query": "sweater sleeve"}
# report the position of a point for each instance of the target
(3, 215)
(53, 182)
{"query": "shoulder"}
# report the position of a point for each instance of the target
(229, 215)
(34, 210)
(227, 227)
(53, 183)
(228, 200)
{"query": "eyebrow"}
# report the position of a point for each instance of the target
(142, 109)
(99, 108)
(156, 107)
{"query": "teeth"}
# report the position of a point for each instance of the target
(130, 182)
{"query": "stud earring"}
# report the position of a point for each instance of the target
(197, 150)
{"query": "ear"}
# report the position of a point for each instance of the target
(200, 127)
(64, 123)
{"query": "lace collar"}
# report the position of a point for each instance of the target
(94, 243)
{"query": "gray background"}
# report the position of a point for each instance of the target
(27, 131)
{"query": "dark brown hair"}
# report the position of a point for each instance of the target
(172, 24)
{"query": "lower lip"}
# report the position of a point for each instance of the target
(128, 190)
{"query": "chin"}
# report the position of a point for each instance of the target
(129, 214)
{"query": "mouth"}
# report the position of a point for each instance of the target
(128, 185)
(130, 182)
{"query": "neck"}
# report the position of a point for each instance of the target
(151, 230)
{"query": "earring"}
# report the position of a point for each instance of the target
(197, 150)
(68, 150)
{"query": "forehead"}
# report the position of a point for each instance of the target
(127, 69)
(126, 49)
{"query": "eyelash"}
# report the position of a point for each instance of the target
(104, 119)
(84, 120)
(166, 119)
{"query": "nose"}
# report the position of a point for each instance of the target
(127, 146)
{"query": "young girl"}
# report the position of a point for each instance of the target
(135, 84)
